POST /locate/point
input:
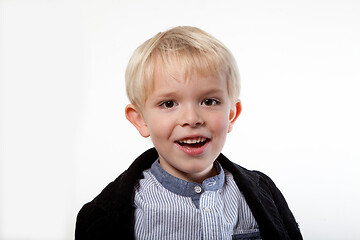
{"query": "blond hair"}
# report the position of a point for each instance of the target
(194, 50)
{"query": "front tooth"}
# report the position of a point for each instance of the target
(193, 141)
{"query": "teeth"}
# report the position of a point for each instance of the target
(193, 140)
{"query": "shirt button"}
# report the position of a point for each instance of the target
(197, 189)
(211, 183)
(206, 209)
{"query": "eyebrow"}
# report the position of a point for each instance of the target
(167, 94)
(173, 94)
(214, 91)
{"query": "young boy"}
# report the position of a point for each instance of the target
(183, 86)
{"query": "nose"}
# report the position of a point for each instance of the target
(191, 116)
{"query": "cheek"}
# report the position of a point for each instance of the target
(220, 124)
(159, 127)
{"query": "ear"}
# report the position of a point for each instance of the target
(135, 117)
(234, 114)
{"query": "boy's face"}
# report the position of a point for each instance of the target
(188, 122)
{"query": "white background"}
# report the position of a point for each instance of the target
(63, 131)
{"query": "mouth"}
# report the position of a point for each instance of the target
(196, 142)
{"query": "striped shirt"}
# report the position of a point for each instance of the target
(171, 208)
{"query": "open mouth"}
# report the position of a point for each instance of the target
(193, 142)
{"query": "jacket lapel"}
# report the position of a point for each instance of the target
(259, 199)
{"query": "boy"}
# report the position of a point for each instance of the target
(183, 86)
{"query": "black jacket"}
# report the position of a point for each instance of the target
(111, 214)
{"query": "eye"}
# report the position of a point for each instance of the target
(168, 104)
(210, 102)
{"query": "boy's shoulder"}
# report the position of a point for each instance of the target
(244, 176)
(117, 191)
(111, 210)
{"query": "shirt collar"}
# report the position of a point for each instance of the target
(186, 188)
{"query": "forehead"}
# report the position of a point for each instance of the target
(175, 80)
(185, 68)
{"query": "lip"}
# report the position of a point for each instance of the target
(191, 151)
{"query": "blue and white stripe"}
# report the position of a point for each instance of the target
(171, 208)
